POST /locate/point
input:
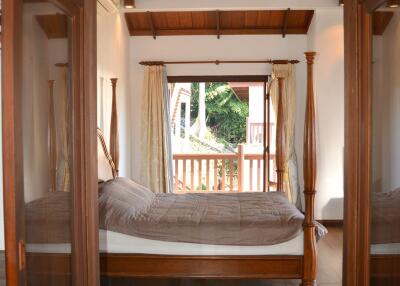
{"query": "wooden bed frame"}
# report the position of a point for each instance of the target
(247, 266)
(261, 266)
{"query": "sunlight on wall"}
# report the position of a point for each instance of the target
(326, 37)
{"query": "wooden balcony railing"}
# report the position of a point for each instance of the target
(219, 172)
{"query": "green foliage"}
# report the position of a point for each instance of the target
(225, 113)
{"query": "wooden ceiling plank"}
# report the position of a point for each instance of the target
(251, 19)
(381, 20)
(55, 26)
(173, 19)
(129, 24)
(309, 19)
(224, 20)
(237, 19)
(225, 23)
(185, 20)
(285, 23)
(199, 19)
(210, 20)
(151, 23)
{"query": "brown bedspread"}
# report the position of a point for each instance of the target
(385, 217)
(219, 219)
(48, 219)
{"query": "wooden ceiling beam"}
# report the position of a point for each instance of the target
(238, 31)
(218, 24)
(285, 23)
(151, 23)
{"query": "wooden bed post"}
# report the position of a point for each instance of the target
(114, 142)
(310, 174)
(52, 140)
(280, 140)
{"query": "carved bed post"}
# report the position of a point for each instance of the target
(280, 140)
(52, 140)
(114, 142)
(310, 174)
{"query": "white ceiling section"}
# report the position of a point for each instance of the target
(176, 5)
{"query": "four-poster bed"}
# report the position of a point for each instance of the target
(241, 266)
(240, 261)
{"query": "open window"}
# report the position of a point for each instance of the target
(220, 139)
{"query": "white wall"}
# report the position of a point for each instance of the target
(210, 48)
(326, 37)
(386, 99)
(112, 62)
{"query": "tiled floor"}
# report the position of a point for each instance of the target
(329, 270)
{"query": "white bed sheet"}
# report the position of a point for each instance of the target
(388, 248)
(113, 242)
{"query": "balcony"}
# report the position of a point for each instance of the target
(222, 172)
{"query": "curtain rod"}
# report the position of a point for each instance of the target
(217, 62)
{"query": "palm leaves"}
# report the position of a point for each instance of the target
(226, 114)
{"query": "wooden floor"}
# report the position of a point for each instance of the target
(2, 270)
(329, 270)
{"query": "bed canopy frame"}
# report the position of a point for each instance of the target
(223, 266)
(261, 267)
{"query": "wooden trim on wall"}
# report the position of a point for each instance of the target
(89, 198)
(13, 185)
(218, 78)
(358, 43)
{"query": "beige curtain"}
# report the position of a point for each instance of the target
(156, 171)
(289, 105)
(62, 119)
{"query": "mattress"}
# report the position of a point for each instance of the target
(113, 242)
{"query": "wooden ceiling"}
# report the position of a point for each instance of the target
(55, 26)
(285, 22)
(381, 20)
(262, 22)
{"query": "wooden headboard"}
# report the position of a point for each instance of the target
(106, 165)
(114, 136)
(112, 155)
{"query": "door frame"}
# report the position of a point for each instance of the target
(85, 258)
(357, 23)
(358, 140)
